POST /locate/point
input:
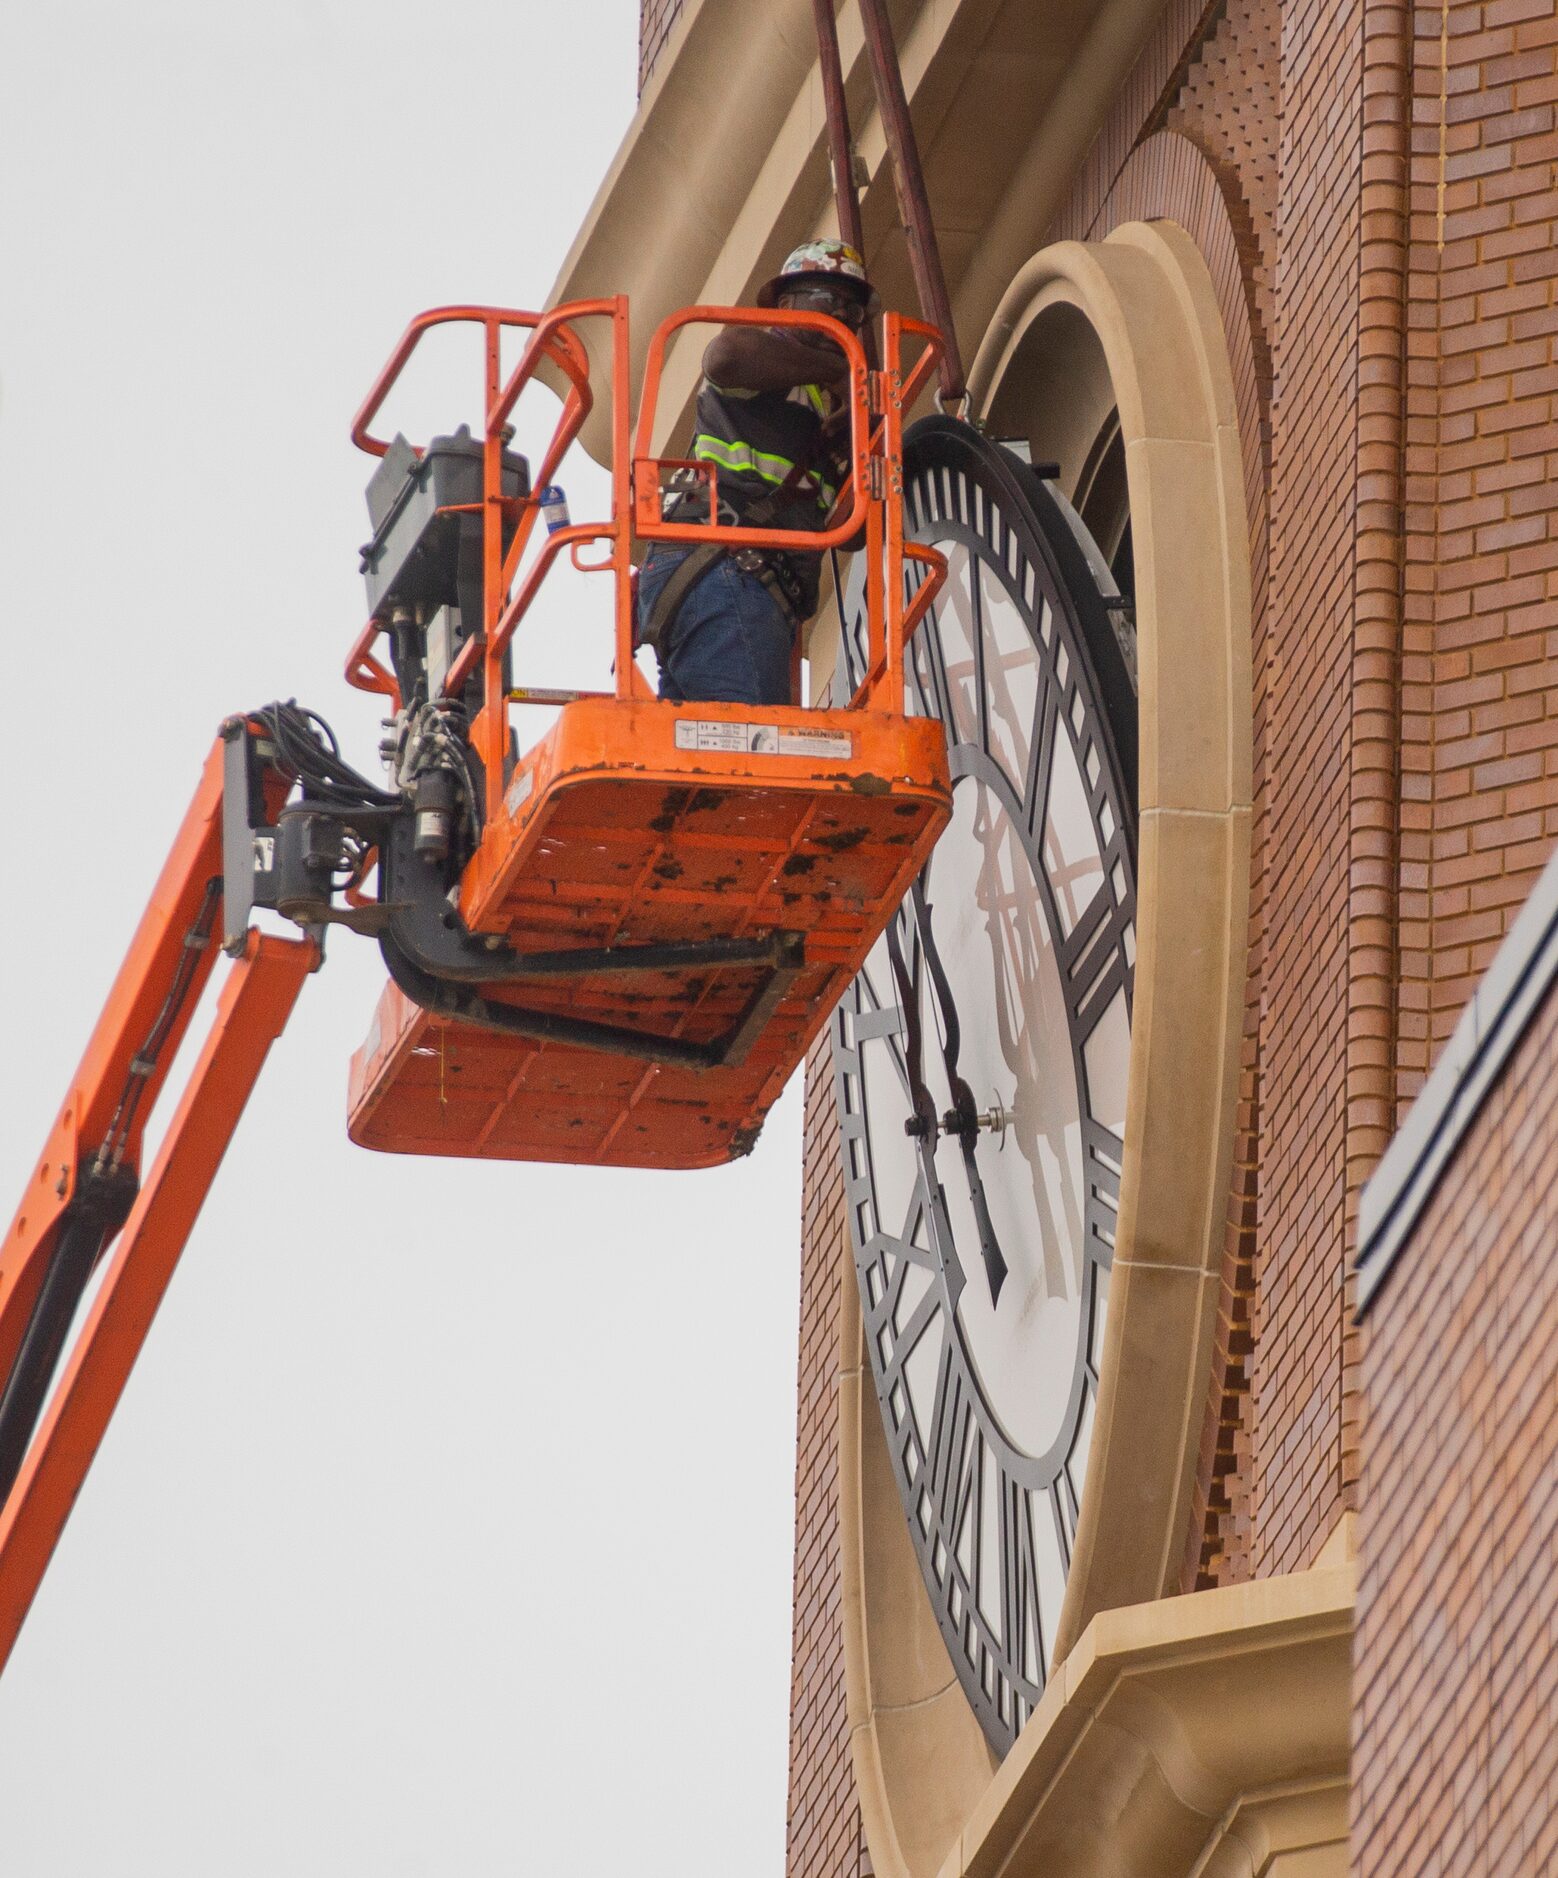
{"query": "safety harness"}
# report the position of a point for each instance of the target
(768, 565)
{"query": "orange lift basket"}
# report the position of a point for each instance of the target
(666, 900)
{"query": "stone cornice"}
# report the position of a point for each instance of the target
(724, 166)
(1201, 1734)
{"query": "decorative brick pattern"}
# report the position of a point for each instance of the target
(1210, 76)
(1373, 906)
(1141, 107)
(1227, 106)
(1455, 1759)
(655, 20)
(825, 1835)
(1298, 1382)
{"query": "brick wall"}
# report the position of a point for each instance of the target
(825, 1839)
(655, 20)
(1480, 761)
(1455, 1758)
(1406, 727)
(1227, 107)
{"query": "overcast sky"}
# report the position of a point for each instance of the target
(445, 1525)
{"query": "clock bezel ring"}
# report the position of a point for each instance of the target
(1146, 296)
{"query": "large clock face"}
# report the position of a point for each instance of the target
(981, 1061)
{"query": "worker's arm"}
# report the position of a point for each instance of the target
(759, 358)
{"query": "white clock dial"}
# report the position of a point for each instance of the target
(994, 1019)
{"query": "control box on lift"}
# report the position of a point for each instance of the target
(424, 562)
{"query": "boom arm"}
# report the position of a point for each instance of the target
(87, 1185)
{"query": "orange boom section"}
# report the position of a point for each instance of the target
(666, 900)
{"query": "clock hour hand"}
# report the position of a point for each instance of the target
(962, 1119)
(921, 1125)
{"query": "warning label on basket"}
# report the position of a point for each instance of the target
(705, 733)
(518, 791)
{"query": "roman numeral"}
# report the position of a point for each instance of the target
(950, 1420)
(886, 1021)
(1093, 963)
(1103, 1155)
(918, 1322)
(1067, 1512)
(1036, 800)
(1019, 1582)
(974, 1512)
(886, 1025)
(906, 1245)
(875, 1020)
(976, 634)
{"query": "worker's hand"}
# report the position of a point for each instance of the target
(814, 338)
(774, 358)
(829, 362)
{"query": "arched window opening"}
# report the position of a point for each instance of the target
(1104, 503)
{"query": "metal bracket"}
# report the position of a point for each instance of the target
(462, 1004)
(248, 839)
(439, 963)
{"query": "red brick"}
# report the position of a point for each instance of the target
(1456, 1653)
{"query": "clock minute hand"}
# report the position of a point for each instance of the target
(962, 1119)
(989, 1245)
(922, 1126)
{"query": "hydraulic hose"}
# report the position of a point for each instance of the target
(99, 1209)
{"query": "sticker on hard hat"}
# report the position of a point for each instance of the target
(704, 733)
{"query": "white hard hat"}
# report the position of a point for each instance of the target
(823, 263)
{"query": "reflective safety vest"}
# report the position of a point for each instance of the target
(755, 439)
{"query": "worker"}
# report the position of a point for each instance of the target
(772, 418)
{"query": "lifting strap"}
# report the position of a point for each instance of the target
(908, 175)
(846, 201)
(924, 255)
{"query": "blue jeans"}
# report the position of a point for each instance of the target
(730, 641)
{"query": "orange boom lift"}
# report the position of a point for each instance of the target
(613, 946)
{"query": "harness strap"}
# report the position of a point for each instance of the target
(669, 600)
